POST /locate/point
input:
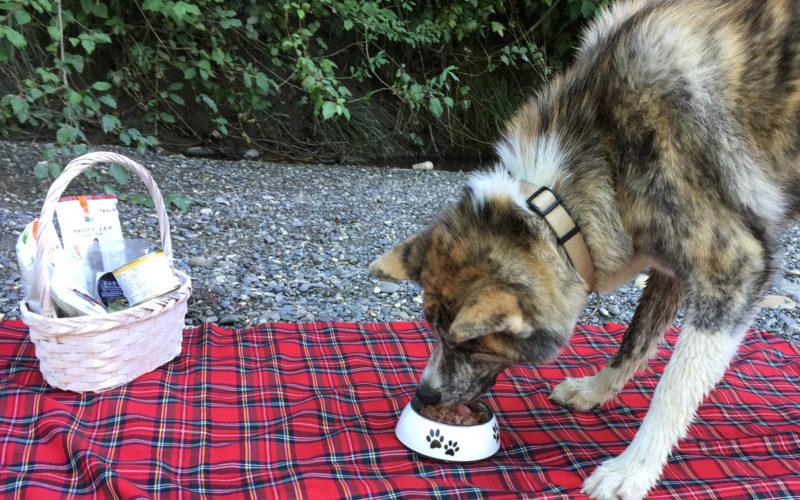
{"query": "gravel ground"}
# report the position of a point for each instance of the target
(268, 242)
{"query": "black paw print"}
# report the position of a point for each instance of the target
(495, 433)
(451, 448)
(435, 439)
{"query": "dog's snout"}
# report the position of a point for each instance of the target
(428, 394)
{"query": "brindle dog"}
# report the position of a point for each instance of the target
(674, 144)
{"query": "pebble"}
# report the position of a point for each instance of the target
(230, 319)
(388, 287)
(200, 262)
(778, 302)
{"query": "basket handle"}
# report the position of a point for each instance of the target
(72, 170)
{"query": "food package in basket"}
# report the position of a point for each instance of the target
(26, 258)
(86, 219)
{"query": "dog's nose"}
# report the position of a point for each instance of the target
(428, 394)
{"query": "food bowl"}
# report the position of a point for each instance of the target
(448, 442)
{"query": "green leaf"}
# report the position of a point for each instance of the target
(183, 8)
(153, 5)
(40, 169)
(119, 173)
(66, 134)
(108, 101)
(19, 105)
(109, 189)
(497, 28)
(75, 97)
(435, 105)
(177, 99)
(348, 24)
(55, 169)
(55, 35)
(110, 122)
(101, 86)
(209, 102)
(138, 199)
(229, 23)
(22, 17)
(47, 76)
(88, 45)
(182, 202)
(328, 109)
(14, 37)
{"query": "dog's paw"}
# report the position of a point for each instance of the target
(620, 479)
(581, 393)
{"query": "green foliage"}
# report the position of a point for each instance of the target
(287, 76)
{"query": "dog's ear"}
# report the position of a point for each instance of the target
(404, 261)
(488, 312)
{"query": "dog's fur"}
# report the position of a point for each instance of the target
(674, 142)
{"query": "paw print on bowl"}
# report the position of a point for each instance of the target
(435, 438)
(495, 432)
(451, 448)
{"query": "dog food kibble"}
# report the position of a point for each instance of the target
(459, 414)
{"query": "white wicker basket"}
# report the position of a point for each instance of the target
(100, 352)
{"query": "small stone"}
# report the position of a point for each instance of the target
(199, 151)
(793, 273)
(423, 166)
(200, 262)
(250, 154)
(778, 302)
(230, 319)
(388, 287)
(211, 319)
(206, 211)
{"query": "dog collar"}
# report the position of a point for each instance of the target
(547, 204)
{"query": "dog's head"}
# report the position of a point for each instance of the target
(498, 291)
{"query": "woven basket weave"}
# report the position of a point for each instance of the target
(99, 352)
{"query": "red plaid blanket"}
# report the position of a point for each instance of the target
(308, 411)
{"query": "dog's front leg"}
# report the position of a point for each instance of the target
(698, 363)
(657, 308)
(726, 282)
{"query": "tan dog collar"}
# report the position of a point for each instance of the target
(546, 203)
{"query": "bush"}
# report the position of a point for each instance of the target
(304, 80)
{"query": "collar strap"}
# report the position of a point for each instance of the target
(547, 204)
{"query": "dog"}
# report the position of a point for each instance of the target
(672, 146)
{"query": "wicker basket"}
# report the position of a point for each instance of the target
(100, 352)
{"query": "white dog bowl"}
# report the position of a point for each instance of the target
(451, 443)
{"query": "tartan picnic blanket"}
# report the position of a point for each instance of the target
(308, 411)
